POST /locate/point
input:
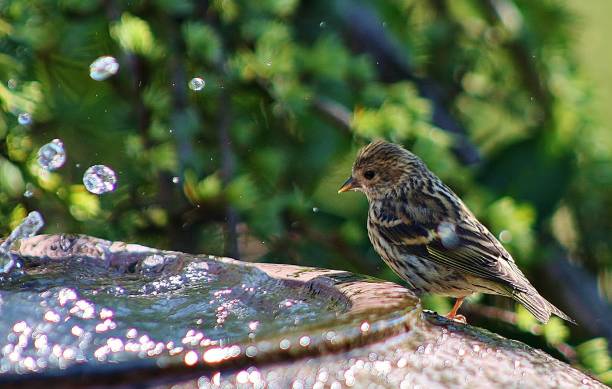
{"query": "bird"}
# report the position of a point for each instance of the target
(429, 237)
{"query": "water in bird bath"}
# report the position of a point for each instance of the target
(153, 303)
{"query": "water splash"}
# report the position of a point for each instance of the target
(151, 309)
(103, 67)
(28, 227)
(197, 84)
(100, 179)
(52, 155)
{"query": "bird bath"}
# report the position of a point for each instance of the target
(90, 312)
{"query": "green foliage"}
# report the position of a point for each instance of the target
(593, 354)
(255, 142)
(512, 223)
(134, 36)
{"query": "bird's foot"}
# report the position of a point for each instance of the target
(458, 318)
(452, 315)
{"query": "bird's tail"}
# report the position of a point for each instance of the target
(539, 306)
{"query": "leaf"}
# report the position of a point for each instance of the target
(135, 36)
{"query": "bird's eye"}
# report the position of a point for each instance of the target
(369, 174)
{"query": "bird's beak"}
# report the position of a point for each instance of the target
(349, 184)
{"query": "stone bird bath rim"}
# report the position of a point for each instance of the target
(370, 317)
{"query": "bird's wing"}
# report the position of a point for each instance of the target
(465, 245)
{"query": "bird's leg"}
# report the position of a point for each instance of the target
(453, 313)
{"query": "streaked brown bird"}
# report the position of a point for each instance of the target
(425, 233)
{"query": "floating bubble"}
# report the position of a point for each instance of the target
(24, 118)
(505, 236)
(99, 179)
(103, 67)
(197, 84)
(175, 180)
(52, 155)
(29, 192)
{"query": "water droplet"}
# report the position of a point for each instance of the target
(24, 118)
(505, 236)
(315, 209)
(447, 234)
(242, 377)
(12, 83)
(191, 358)
(285, 344)
(176, 180)
(297, 384)
(323, 376)
(255, 378)
(52, 155)
(323, 24)
(304, 341)
(99, 179)
(103, 67)
(52, 317)
(29, 191)
(20, 326)
(197, 84)
(251, 351)
(214, 355)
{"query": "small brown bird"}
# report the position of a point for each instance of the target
(425, 233)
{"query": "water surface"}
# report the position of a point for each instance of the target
(63, 313)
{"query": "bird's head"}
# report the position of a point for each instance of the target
(382, 168)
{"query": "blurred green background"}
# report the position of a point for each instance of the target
(507, 101)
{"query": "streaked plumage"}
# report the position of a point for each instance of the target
(425, 233)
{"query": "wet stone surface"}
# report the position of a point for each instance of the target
(434, 355)
(90, 312)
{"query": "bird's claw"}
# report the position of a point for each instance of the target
(458, 318)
